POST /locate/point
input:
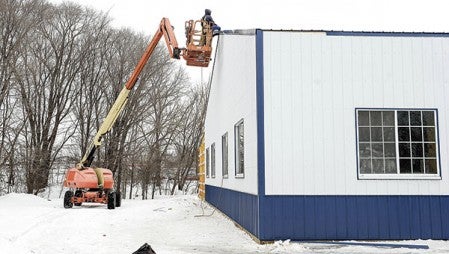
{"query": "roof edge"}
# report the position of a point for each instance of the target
(367, 33)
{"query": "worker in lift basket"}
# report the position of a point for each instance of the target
(207, 18)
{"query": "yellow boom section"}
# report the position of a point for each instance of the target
(106, 126)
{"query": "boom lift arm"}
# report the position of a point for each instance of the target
(195, 55)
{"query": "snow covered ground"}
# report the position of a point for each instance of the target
(30, 224)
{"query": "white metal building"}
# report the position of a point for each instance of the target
(330, 135)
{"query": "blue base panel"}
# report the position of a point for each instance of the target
(240, 207)
(399, 217)
(354, 217)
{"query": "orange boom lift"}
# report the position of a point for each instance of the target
(96, 185)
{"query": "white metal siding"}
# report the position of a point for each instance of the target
(233, 97)
(314, 82)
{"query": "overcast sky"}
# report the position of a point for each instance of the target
(349, 15)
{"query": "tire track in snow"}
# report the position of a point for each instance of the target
(41, 219)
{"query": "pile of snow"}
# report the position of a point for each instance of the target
(174, 224)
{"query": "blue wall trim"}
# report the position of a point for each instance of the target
(354, 217)
(239, 206)
(260, 113)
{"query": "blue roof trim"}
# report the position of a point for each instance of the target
(366, 33)
(385, 34)
(260, 113)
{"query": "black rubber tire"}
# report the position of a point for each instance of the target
(78, 194)
(111, 200)
(118, 199)
(68, 199)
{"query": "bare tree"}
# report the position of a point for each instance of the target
(48, 87)
(58, 82)
(125, 50)
(17, 18)
(93, 79)
(188, 136)
(166, 91)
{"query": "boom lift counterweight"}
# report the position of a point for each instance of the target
(91, 184)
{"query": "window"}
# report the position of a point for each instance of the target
(212, 160)
(207, 162)
(239, 149)
(224, 155)
(397, 143)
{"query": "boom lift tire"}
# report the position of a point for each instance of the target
(78, 194)
(118, 199)
(68, 199)
(111, 200)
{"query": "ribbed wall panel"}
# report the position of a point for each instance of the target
(313, 83)
(239, 206)
(233, 98)
(354, 217)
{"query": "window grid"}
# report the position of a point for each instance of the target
(421, 157)
(239, 149)
(382, 145)
(381, 160)
(212, 160)
(224, 155)
(207, 162)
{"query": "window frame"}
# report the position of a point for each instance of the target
(225, 155)
(212, 160)
(239, 171)
(207, 163)
(398, 175)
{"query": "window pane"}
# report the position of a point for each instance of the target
(363, 118)
(377, 150)
(403, 118)
(431, 166)
(376, 134)
(364, 134)
(430, 150)
(388, 117)
(405, 166)
(404, 150)
(415, 118)
(389, 134)
(365, 150)
(207, 162)
(390, 150)
(241, 152)
(378, 166)
(376, 118)
(224, 154)
(390, 166)
(239, 160)
(416, 133)
(417, 150)
(365, 166)
(429, 133)
(404, 134)
(428, 118)
(212, 160)
(418, 166)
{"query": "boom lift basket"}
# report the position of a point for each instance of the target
(199, 39)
